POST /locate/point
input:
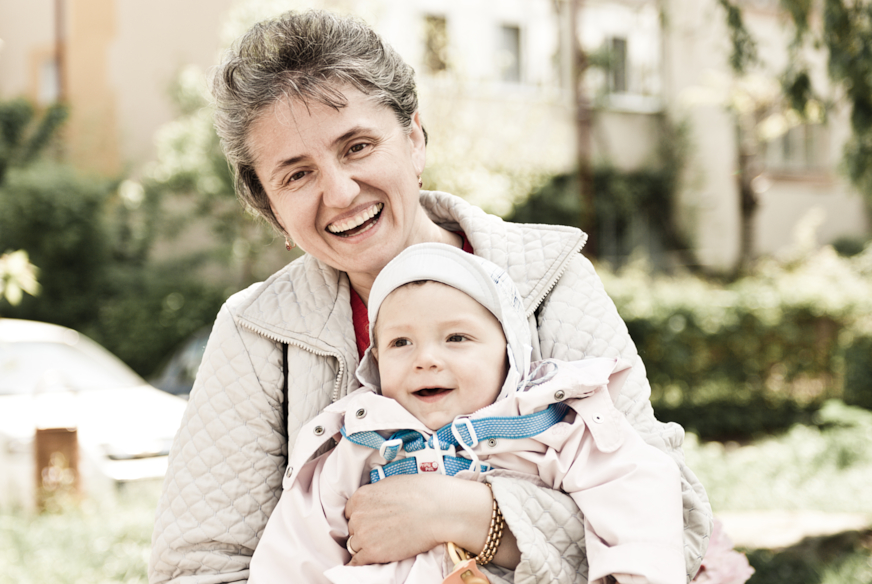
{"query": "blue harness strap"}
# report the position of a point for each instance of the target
(463, 432)
(452, 465)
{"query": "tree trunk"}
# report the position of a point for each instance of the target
(583, 123)
(749, 201)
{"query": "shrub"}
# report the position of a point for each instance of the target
(91, 252)
(89, 238)
(858, 372)
(773, 344)
(153, 310)
(57, 216)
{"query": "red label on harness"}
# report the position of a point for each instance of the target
(428, 467)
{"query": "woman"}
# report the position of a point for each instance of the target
(318, 118)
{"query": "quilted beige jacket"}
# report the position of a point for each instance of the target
(228, 459)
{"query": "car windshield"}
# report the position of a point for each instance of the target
(46, 366)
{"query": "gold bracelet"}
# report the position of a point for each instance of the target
(494, 534)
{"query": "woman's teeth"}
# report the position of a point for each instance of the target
(345, 225)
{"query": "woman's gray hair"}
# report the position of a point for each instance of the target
(302, 56)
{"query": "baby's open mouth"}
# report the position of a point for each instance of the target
(357, 224)
(431, 391)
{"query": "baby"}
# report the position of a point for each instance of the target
(448, 387)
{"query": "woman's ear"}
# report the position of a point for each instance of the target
(278, 219)
(418, 143)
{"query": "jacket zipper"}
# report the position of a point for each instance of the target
(309, 348)
(578, 247)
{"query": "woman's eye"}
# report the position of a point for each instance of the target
(296, 176)
(357, 148)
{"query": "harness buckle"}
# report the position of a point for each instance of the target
(469, 428)
(395, 445)
(430, 459)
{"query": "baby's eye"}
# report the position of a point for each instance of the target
(457, 338)
(399, 342)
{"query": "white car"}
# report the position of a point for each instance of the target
(54, 377)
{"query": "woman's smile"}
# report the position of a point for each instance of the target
(358, 223)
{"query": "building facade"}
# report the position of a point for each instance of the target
(496, 95)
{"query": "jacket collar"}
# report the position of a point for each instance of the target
(534, 256)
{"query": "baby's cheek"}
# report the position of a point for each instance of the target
(389, 386)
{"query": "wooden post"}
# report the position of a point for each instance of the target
(60, 50)
(56, 453)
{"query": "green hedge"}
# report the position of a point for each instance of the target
(757, 354)
(92, 256)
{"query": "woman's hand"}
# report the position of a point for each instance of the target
(402, 516)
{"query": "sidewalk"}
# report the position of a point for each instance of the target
(779, 529)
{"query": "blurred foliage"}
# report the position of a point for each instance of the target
(57, 216)
(191, 168)
(153, 312)
(823, 466)
(97, 541)
(722, 415)
(17, 276)
(24, 135)
(844, 30)
(756, 354)
(96, 277)
(834, 559)
(850, 246)
(858, 372)
(91, 238)
(743, 54)
(627, 202)
(492, 167)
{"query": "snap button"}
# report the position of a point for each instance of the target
(319, 430)
(559, 395)
(598, 418)
(492, 442)
(289, 472)
(361, 413)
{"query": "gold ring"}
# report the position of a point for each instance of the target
(350, 549)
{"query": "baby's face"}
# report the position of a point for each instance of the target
(440, 353)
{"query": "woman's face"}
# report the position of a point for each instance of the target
(343, 182)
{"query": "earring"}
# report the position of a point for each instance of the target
(289, 245)
(420, 182)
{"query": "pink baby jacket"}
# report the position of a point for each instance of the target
(628, 491)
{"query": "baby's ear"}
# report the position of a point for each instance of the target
(374, 351)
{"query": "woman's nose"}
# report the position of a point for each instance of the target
(339, 187)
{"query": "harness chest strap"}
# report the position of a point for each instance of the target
(437, 452)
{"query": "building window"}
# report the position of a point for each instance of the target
(49, 88)
(435, 44)
(800, 149)
(617, 65)
(509, 56)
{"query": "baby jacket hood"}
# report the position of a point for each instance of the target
(485, 282)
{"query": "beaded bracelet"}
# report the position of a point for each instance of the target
(494, 534)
